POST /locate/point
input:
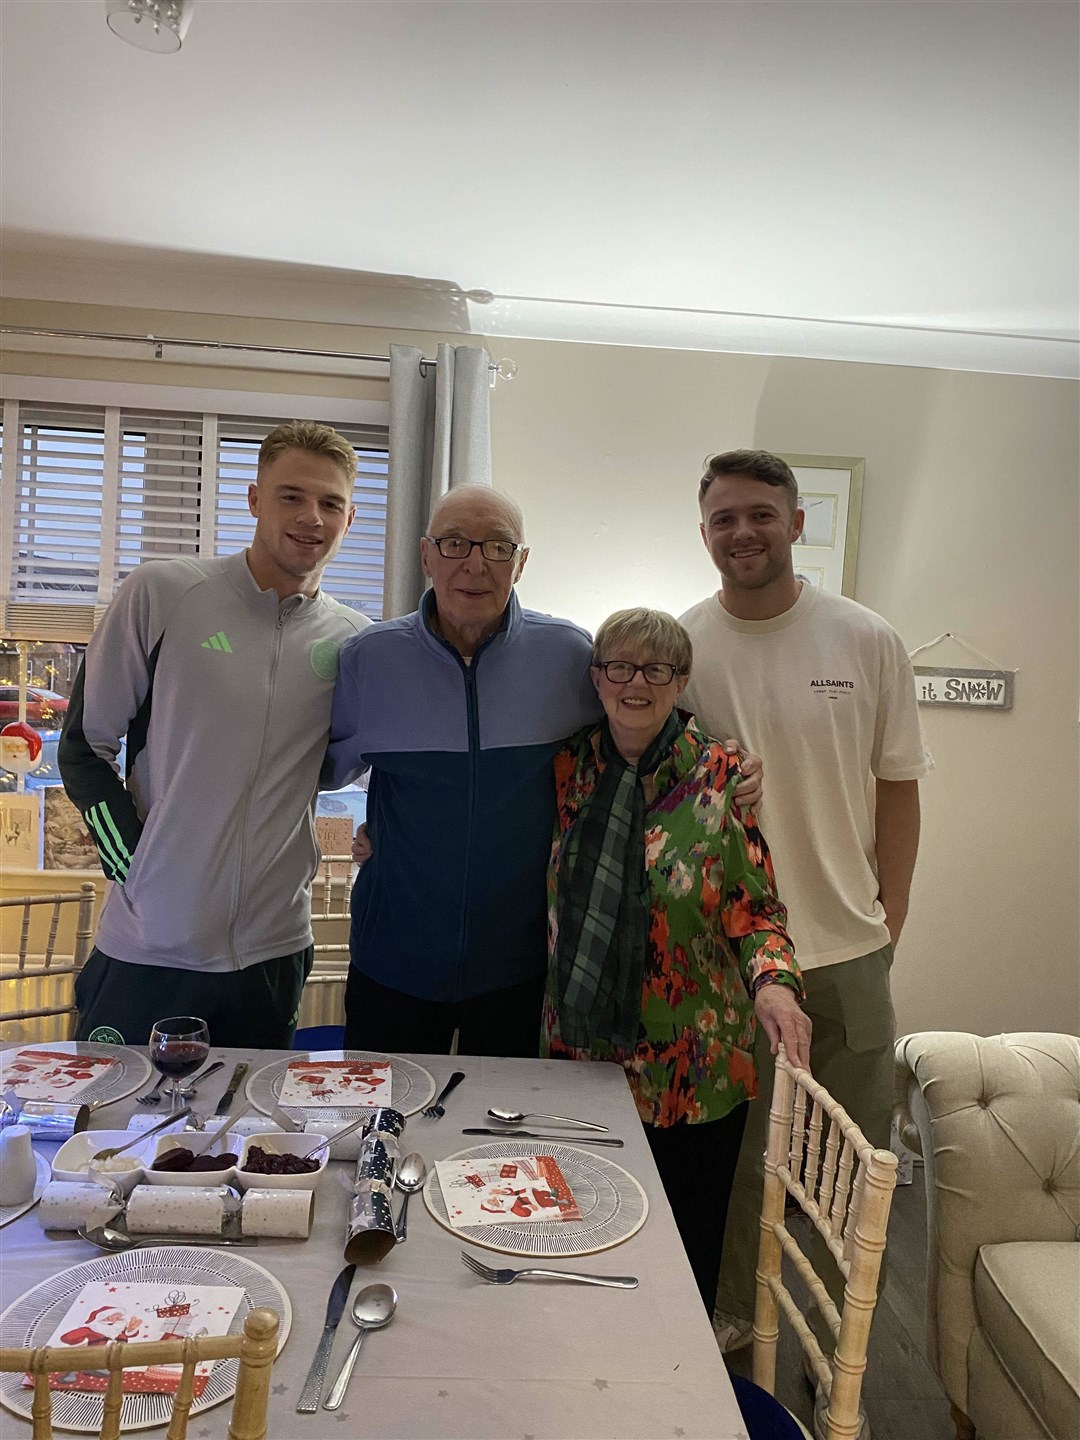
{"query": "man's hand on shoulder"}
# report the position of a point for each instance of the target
(361, 846)
(751, 787)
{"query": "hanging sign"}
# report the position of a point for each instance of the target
(955, 685)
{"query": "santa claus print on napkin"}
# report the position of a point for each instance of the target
(116, 1310)
(349, 1083)
(505, 1190)
(51, 1074)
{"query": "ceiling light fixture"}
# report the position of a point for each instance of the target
(157, 25)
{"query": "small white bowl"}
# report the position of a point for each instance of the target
(229, 1143)
(280, 1142)
(71, 1163)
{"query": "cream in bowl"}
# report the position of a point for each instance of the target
(72, 1162)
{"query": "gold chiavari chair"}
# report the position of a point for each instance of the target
(255, 1348)
(36, 981)
(820, 1157)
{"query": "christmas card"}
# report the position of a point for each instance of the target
(50, 1074)
(502, 1191)
(337, 1083)
(107, 1310)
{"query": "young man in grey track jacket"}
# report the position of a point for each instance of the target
(220, 673)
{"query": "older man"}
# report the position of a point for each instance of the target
(458, 710)
(219, 673)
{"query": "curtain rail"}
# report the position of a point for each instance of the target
(159, 341)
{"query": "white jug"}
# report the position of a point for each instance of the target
(18, 1172)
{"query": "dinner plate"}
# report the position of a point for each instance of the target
(41, 1179)
(613, 1205)
(131, 1070)
(31, 1320)
(411, 1086)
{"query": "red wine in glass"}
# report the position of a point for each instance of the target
(178, 1047)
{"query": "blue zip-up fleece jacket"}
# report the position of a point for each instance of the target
(461, 801)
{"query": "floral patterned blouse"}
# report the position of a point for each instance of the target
(717, 931)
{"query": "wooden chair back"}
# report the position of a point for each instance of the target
(255, 1348)
(845, 1186)
(331, 896)
(25, 974)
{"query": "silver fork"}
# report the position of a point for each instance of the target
(153, 1097)
(507, 1277)
(437, 1110)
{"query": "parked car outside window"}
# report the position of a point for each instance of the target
(45, 709)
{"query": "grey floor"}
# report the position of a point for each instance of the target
(902, 1396)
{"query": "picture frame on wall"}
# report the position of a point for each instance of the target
(830, 493)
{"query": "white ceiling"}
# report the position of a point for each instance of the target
(886, 179)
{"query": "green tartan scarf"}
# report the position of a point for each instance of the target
(603, 902)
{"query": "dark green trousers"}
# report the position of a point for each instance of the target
(252, 1009)
(851, 1054)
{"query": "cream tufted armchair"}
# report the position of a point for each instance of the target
(997, 1122)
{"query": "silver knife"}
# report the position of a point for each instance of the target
(574, 1139)
(335, 1308)
(234, 1085)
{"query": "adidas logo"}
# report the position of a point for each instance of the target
(219, 641)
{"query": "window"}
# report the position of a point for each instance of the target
(89, 492)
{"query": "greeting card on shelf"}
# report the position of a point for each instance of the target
(501, 1190)
(107, 1310)
(353, 1083)
(20, 829)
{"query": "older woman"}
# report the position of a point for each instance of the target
(665, 931)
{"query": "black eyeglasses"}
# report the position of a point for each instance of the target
(456, 547)
(655, 672)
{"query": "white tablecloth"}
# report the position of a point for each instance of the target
(464, 1360)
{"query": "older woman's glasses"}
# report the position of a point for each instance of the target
(456, 547)
(655, 672)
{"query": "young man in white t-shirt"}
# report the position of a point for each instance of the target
(822, 689)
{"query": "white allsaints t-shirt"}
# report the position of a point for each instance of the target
(825, 694)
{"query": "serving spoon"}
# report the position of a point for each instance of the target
(515, 1117)
(411, 1174)
(107, 1237)
(373, 1308)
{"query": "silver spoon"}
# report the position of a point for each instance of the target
(373, 1308)
(106, 1237)
(515, 1117)
(411, 1174)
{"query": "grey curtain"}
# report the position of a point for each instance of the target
(440, 436)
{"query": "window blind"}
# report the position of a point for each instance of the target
(89, 493)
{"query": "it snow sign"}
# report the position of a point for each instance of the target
(977, 689)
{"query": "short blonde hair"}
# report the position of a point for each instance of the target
(308, 435)
(644, 632)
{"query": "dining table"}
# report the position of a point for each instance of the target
(464, 1359)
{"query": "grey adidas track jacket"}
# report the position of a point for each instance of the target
(224, 695)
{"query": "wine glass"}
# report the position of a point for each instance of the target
(178, 1046)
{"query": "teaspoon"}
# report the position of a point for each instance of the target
(373, 1308)
(515, 1117)
(411, 1175)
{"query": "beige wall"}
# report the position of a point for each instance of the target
(969, 524)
